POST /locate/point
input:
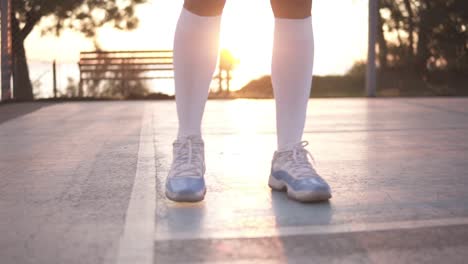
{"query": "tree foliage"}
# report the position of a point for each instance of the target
(83, 15)
(424, 35)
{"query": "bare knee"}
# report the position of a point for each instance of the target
(205, 7)
(294, 9)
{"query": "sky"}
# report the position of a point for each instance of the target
(340, 30)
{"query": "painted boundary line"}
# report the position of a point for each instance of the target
(137, 241)
(313, 230)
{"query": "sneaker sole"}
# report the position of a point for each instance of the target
(300, 196)
(186, 197)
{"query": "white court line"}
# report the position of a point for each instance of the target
(137, 240)
(311, 230)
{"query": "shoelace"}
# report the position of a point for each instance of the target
(187, 158)
(300, 163)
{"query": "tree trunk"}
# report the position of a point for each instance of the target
(382, 43)
(22, 87)
(409, 9)
(423, 53)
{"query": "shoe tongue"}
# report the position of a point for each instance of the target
(182, 152)
(301, 154)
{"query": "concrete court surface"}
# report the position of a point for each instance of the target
(82, 182)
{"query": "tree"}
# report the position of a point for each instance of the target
(426, 35)
(85, 16)
(396, 20)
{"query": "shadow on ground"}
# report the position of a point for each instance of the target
(15, 110)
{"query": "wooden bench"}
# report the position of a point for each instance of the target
(124, 66)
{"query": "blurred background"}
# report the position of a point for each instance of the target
(421, 48)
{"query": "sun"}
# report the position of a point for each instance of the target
(248, 36)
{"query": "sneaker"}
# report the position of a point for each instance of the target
(292, 171)
(185, 182)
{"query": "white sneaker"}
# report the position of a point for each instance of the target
(292, 171)
(185, 182)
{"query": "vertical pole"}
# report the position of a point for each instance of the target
(54, 76)
(371, 76)
(80, 85)
(228, 81)
(220, 79)
(6, 48)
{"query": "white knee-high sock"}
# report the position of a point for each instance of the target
(292, 64)
(195, 54)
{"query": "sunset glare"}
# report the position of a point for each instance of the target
(247, 32)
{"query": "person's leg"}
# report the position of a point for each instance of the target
(293, 54)
(195, 55)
